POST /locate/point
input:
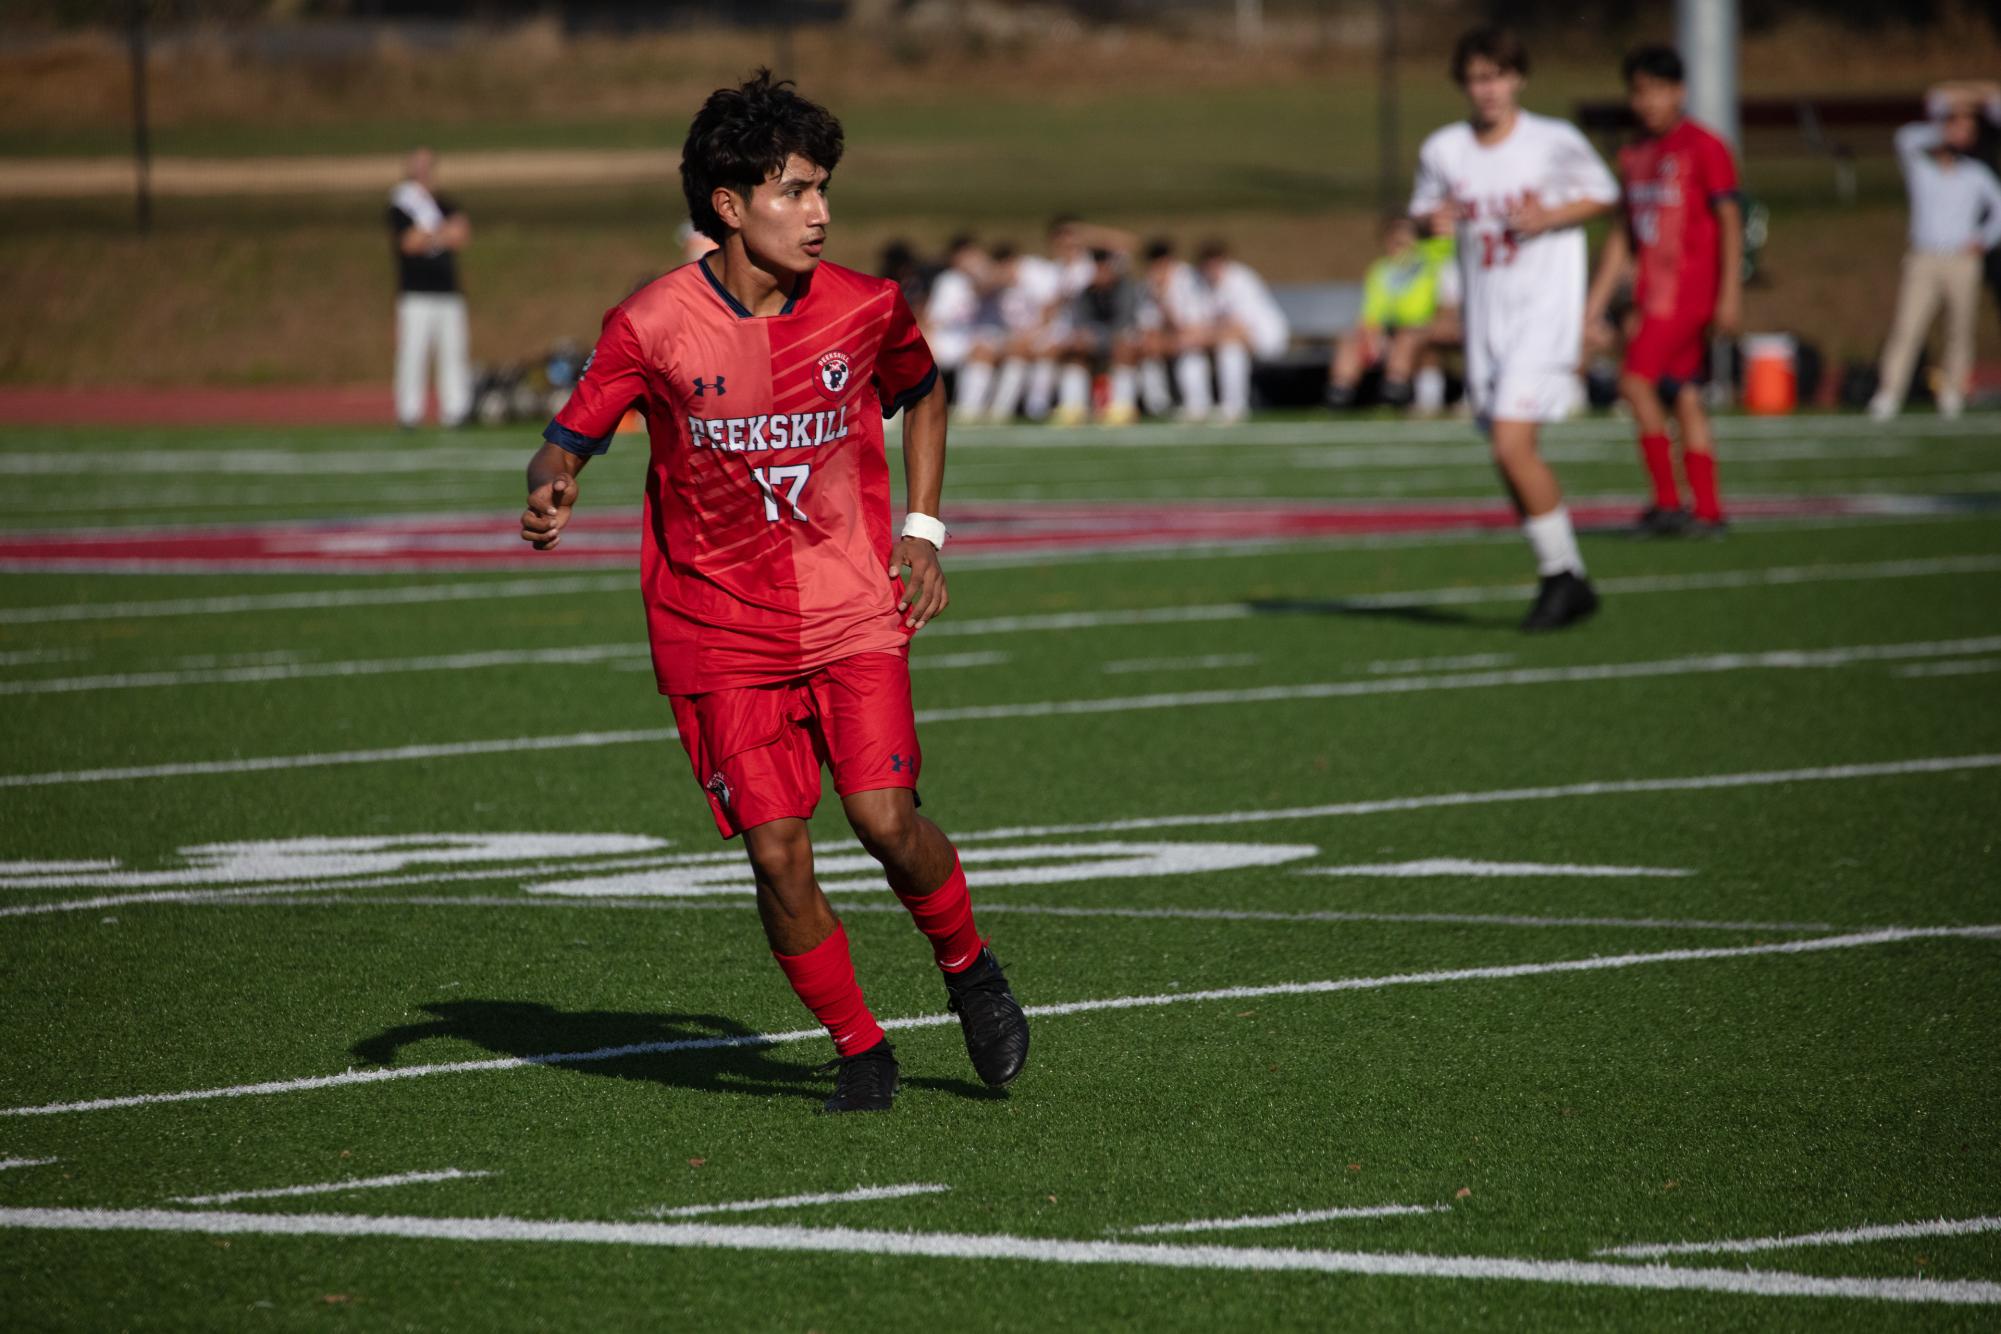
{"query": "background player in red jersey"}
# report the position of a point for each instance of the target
(1684, 225)
(778, 629)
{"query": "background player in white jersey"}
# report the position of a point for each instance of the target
(1517, 189)
(1248, 323)
(962, 325)
(1035, 308)
(1177, 319)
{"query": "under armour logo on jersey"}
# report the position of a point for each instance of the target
(898, 763)
(703, 386)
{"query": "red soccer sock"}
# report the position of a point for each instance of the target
(945, 915)
(1659, 456)
(1701, 470)
(824, 978)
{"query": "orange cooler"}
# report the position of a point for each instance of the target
(1771, 380)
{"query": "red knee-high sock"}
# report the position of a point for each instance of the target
(824, 978)
(1701, 470)
(945, 915)
(1659, 456)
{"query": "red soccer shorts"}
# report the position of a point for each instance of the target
(758, 750)
(1669, 348)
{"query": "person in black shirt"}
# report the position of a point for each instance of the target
(427, 231)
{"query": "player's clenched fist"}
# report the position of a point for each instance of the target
(550, 501)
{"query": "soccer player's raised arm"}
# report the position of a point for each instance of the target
(612, 380)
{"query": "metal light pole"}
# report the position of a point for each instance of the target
(1706, 32)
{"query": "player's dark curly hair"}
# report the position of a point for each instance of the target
(744, 134)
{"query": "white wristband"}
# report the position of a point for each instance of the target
(926, 527)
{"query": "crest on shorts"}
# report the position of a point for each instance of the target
(831, 374)
(720, 786)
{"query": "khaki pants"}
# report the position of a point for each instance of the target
(1929, 280)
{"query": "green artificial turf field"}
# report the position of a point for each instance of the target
(370, 957)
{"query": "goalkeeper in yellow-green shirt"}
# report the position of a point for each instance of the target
(1401, 295)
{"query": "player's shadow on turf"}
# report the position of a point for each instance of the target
(721, 1055)
(1387, 611)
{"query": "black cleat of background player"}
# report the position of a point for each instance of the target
(864, 1082)
(996, 1029)
(1563, 599)
(1660, 521)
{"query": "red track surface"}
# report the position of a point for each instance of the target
(287, 405)
(610, 539)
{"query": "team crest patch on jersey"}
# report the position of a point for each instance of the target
(831, 374)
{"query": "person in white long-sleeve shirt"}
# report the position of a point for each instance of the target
(1955, 220)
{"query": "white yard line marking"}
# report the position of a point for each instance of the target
(23, 657)
(1854, 1236)
(269, 890)
(1206, 662)
(859, 1194)
(10, 870)
(257, 900)
(955, 661)
(10, 1164)
(1282, 1220)
(387, 755)
(410, 595)
(1608, 788)
(630, 654)
(1334, 810)
(1704, 665)
(1459, 866)
(1000, 1246)
(407, 595)
(1772, 576)
(332, 860)
(332, 1187)
(1963, 667)
(299, 671)
(1400, 666)
(1595, 963)
(1416, 918)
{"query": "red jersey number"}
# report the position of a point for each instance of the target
(1497, 249)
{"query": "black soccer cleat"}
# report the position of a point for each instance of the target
(1562, 599)
(1661, 521)
(864, 1082)
(996, 1029)
(1708, 528)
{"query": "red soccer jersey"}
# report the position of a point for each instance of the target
(1672, 185)
(766, 546)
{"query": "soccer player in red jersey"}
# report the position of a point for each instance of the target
(779, 628)
(1685, 228)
